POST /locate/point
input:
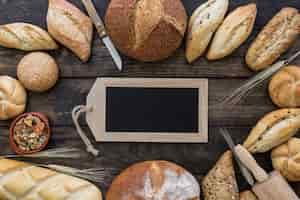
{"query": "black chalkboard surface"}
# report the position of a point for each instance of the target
(171, 110)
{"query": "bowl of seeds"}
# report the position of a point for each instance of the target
(29, 133)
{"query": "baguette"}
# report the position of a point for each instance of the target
(275, 38)
(272, 130)
(22, 181)
(235, 30)
(69, 26)
(26, 37)
(203, 23)
(248, 195)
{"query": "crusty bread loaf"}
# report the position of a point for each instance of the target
(154, 180)
(71, 27)
(273, 129)
(26, 37)
(146, 30)
(220, 183)
(286, 159)
(284, 89)
(12, 98)
(203, 23)
(235, 30)
(22, 181)
(247, 195)
(275, 38)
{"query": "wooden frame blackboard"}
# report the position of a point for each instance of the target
(99, 95)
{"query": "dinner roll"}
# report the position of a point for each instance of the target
(284, 88)
(286, 159)
(38, 71)
(146, 30)
(12, 98)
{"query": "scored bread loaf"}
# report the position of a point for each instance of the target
(286, 159)
(23, 181)
(203, 23)
(275, 38)
(154, 180)
(235, 30)
(71, 27)
(146, 30)
(247, 195)
(272, 130)
(220, 183)
(26, 37)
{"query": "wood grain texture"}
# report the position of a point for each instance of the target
(77, 79)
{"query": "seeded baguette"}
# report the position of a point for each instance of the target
(26, 37)
(235, 30)
(275, 38)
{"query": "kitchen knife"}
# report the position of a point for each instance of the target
(102, 32)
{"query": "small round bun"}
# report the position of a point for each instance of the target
(154, 180)
(12, 98)
(38, 71)
(284, 87)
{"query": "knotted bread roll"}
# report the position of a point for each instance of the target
(284, 88)
(12, 98)
(286, 159)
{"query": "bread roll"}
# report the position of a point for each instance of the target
(248, 195)
(25, 182)
(286, 159)
(273, 129)
(26, 37)
(37, 71)
(12, 98)
(275, 38)
(71, 27)
(284, 89)
(154, 180)
(235, 30)
(203, 23)
(146, 30)
(220, 183)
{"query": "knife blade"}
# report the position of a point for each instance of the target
(91, 10)
(246, 173)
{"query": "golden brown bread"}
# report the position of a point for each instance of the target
(203, 23)
(286, 159)
(284, 88)
(71, 27)
(12, 98)
(247, 195)
(275, 38)
(37, 71)
(26, 37)
(220, 183)
(22, 181)
(273, 129)
(154, 180)
(234, 30)
(146, 30)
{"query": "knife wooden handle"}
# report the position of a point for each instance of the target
(248, 160)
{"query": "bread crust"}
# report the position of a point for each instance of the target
(26, 37)
(234, 31)
(202, 25)
(247, 195)
(26, 182)
(70, 27)
(146, 30)
(273, 129)
(154, 180)
(284, 89)
(275, 38)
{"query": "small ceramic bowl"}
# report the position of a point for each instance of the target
(15, 147)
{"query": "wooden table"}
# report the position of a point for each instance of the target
(77, 79)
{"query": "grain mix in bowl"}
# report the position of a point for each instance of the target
(30, 133)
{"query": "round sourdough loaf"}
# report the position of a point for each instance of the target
(146, 30)
(154, 180)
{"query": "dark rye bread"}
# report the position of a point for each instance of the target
(146, 30)
(220, 183)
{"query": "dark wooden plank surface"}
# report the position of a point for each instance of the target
(77, 78)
